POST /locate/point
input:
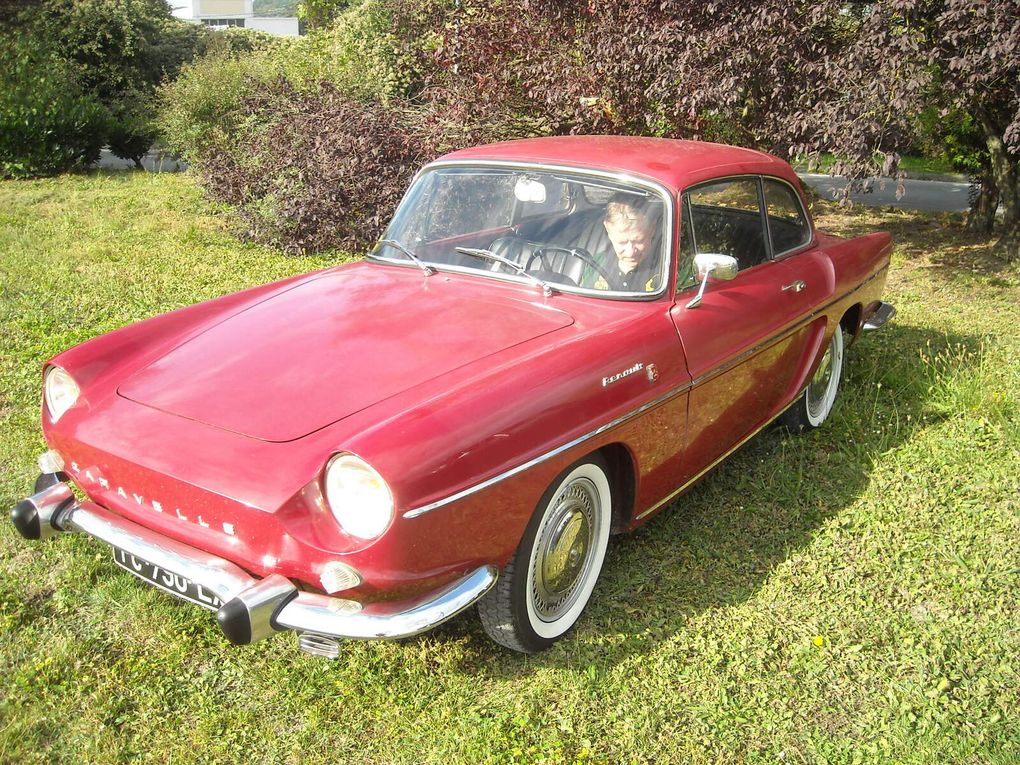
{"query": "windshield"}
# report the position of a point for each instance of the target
(569, 231)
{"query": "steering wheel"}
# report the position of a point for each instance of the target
(577, 252)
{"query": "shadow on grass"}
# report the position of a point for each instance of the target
(938, 242)
(716, 545)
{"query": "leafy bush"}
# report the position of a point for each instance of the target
(117, 46)
(132, 131)
(201, 109)
(72, 64)
(314, 140)
(237, 41)
(358, 55)
(48, 124)
(315, 170)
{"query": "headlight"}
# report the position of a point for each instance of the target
(61, 392)
(358, 496)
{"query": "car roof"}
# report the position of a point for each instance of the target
(673, 163)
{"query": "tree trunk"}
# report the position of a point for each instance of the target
(1006, 172)
(1008, 245)
(984, 200)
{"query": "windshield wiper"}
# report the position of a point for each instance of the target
(426, 269)
(490, 255)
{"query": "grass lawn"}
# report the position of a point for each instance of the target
(851, 596)
(913, 165)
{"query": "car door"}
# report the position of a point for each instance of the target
(747, 341)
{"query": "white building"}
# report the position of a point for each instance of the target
(221, 14)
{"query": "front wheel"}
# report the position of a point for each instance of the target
(550, 578)
(814, 405)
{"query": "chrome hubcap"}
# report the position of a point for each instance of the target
(818, 388)
(565, 549)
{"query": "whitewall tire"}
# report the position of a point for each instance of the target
(550, 578)
(814, 405)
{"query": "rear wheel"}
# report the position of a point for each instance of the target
(815, 404)
(548, 582)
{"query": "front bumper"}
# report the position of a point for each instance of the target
(252, 608)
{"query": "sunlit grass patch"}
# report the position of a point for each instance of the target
(850, 596)
(981, 384)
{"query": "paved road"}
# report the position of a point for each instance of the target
(933, 196)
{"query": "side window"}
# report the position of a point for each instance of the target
(787, 223)
(726, 219)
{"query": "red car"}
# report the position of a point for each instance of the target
(555, 338)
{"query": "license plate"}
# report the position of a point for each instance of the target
(173, 583)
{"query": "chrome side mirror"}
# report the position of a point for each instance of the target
(723, 267)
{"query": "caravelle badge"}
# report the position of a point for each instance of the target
(92, 475)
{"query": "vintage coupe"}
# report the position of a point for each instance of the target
(468, 414)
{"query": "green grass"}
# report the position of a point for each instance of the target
(846, 597)
(910, 164)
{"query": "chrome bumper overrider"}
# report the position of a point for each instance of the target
(252, 608)
(879, 316)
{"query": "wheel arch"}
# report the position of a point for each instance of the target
(851, 322)
(622, 481)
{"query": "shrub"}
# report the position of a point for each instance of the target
(132, 131)
(237, 41)
(47, 124)
(315, 170)
(358, 55)
(201, 108)
(117, 46)
(118, 52)
(312, 139)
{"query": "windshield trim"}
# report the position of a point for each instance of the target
(626, 178)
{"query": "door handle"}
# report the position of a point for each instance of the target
(796, 286)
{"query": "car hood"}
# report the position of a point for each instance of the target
(335, 344)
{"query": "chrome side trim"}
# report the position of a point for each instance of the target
(418, 511)
(768, 422)
(792, 329)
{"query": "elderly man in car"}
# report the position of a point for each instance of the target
(629, 257)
